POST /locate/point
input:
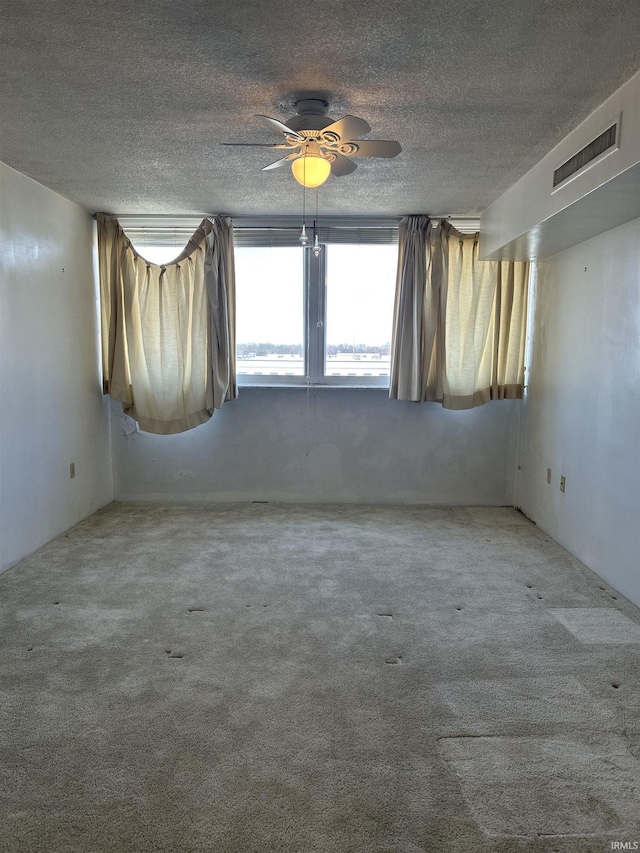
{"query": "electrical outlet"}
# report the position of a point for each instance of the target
(548, 475)
(72, 470)
(563, 483)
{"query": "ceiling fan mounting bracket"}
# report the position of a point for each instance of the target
(311, 106)
(311, 114)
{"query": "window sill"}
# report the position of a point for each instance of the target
(311, 387)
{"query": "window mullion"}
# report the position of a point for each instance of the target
(314, 288)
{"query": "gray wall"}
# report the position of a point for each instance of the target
(52, 411)
(324, 445)
(581, 417)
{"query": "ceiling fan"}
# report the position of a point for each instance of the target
(320, 146)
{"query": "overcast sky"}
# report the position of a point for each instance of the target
(360, 294)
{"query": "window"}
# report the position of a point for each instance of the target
(159, 239)
(324, 320)
(270, 332)
(157, 254)
(360, 289)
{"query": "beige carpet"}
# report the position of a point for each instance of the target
(342, 679)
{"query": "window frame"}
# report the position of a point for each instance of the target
(351, 231)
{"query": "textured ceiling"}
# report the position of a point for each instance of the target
(120, 106)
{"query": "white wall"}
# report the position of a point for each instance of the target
(52, 412)
(324, 445)
(581, 417)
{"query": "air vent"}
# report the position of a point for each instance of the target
(587, 155)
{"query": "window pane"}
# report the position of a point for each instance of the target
(158, 254)
(269, 311)
(359, 309)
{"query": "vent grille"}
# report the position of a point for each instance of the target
(589, 153)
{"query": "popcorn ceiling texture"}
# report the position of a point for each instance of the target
(282, 678)
(122, 106)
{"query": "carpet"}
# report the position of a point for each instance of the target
(274, 678)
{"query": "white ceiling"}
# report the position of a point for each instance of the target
(121, 106)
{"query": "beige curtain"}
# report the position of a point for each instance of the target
(168, 331)
(459, 323)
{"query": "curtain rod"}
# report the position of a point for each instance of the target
(462, 223)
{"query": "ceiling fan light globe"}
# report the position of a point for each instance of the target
(311, 170)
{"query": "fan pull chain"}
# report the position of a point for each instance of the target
(316, 242)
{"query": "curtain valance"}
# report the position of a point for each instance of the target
(168, 331)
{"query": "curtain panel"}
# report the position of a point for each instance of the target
(168, 331)
(459, 323)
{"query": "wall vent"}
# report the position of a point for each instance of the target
(586, 155)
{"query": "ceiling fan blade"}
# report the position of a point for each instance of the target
(375, 148)
(342, 166)
(347, 127)
(256, 144)
(282, 162)
(280, 126)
